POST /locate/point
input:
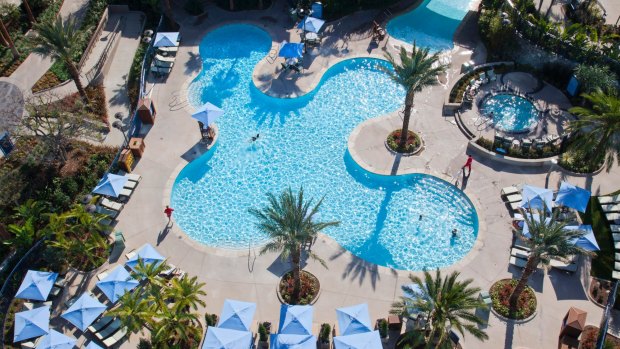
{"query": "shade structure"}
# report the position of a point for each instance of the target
(84, 311)
(366, 340)
(56, 340)
(295, 319)
(148, 254)
(291, 50)
(573, 197)
(93, 345)
(353, 319)
(311, 24)
(207, 113)
(588, 240)
(36, 285)
(292, 341)
(31, 323)
(111, 185)
(166, 39)
(224, 338)
(237, 315)
(536, 198)
(117, 283)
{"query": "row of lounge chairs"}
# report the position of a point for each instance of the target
(108, 330)
(164, 60)
(504, 142)
(611, 206)
(112, 208)
(520, 252)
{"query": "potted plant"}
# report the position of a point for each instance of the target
(326, 330)
(263, 336)
(211, 319)
(383, 330)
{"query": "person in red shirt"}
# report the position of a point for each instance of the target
(468, 163)
(168, 211)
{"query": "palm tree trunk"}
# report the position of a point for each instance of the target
(29, 12)
(530, 267)
(407, 115)
(7, 38)
(295, 260)
(75, 75)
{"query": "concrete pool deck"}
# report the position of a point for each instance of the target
(173, 141)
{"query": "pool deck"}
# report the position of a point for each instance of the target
(173, 141)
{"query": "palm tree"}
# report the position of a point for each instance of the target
(58, 40)
(447, 302)
(7, 37)
(415, 72)
(549, 240)
(153, 283)
(134, 311)
(598, 128)
(175, 329)
(185, 293)
(289, 222)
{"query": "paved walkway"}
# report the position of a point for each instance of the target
(173, 141)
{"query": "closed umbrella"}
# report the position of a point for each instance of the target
(588, 240)
(148, 254)
(84, 311)
(237, 315)
(353, 319)
(365, 340)
(536, 198)
(111, 185)
(292, 341)
(311, 24)
(573, 197)
(207, 113)
(291, 50)
(36, 285)
(56, 340)
(166, 39)
(117, 283)
(224, 338)
(296, 319)
(31, 323)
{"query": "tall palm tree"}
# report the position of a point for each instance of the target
(9, 41)
(58, 40)
(289, 222)
(549, 240)
(415, 72)
(134, 311)
(598, 128)
(175, 329)
(152, 283)
(186, 293)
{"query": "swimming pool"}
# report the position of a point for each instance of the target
(303, 141)
(511, 113)
(432, 24)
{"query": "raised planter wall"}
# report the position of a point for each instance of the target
(474, 148)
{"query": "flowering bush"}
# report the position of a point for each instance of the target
(309, 287)
(500, 295)
(413, 141)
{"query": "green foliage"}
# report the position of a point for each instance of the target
(144, 344)
(193, 7)
(326, 331)
(498, 35)
(577, 161)
(603, 263)
(596, 77)
(520, 153)
(500, 293)
(383, 328)
(211, 319)
(133, 79)
(262, 333)
(10, 14)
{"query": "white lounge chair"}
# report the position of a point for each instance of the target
(515, 206)
(126, 192)
(521, 244)
(164, 59)
(115, 338)
(615, 275)
(611, 208)
(617, 245)
(131, 254)
(172, 49)
(617, 257)
(109, 330)
(102, 275)
(609, 199)
(510, 190)
(112, 205)
(612, 217)
(105, 211)
(617, 266)
(134, 177)
(518, 262)
(100, 324)
(565, 266)
(615, 228)
(514, 198)
(130, 185)
(519, 253)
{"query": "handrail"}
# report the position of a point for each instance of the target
(91, 44)
(96, 69)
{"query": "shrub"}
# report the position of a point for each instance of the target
(325, 332)
(412, 144)
(594, 77)
(579, 162)
(211, 319)
(500, 294)
(262, 332)
(144, 344)
(383, 328)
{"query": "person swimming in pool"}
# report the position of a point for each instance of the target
(454, 232)
(254, 138)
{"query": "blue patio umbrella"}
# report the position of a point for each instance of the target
(56, 340)
(117, 283)
(573, 197)
(292, 341)
(588, 240)
(166, 39)
(295, 319)
(353, 319)
(365, 340)
(237, 315)
(291, 50)
(93, 345)
(148, 254)
(110, 185)
(224, 338)
(36, 285)
(311, 24)
(84, 311)
(536, 198)
(31, 323)
(207, 113)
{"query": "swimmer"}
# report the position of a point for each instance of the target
(420, 217)
(454, 231)
(254, 138)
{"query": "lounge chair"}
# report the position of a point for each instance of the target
(168, 50)
(616, 237)
(519, 253)
(609, 199)
(130, 185)
(101, 323)
(521, 244)
(565, 266)
(31, 344)
(130, 254)
(164, 64)
(112, 205)
(515, 206)
(106, 211)
(510, 190)
(617, 256)
(107, 222)
(611, 208)
(126, 192)
(617, 245)
(134, 177)
(164, 59)
(491, 74)
(615, 228)
(109, 330)
(615, 275)
(612, 217)
(55, 291)
(518, 262)
(160, 71)
(115, 338)
(102, 275)
(617, 266)
(378, 33)
(483, 78)
(514, 198)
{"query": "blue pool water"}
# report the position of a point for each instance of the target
(303, 141)
(432, 24)
(511, 113)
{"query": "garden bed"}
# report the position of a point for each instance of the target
(589, 336)
(412, 146)
(500, 294)
(578, 163)
(310, 288)
(533, 153)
